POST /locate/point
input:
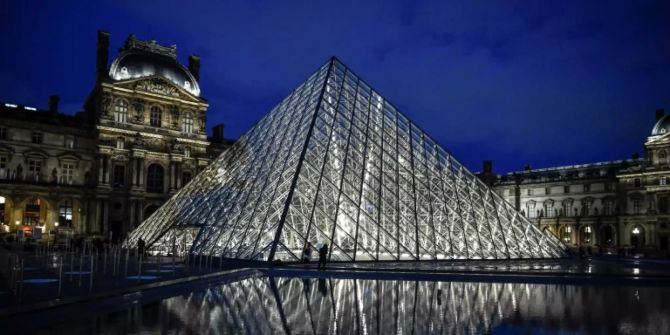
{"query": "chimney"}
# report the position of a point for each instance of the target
(488, 166)
(53, 103)
(102, 55)
(217, 133)
(194, 66)
(660, 113)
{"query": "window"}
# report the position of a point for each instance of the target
(566, 189)
(637, 182)
(119, 175)
(636, 206)
(663, 204)
(187, 123)
(607, 207)
(530, 209)
(187, 152)
(662, 157)
(3, 133)
(663, 180)
(67, 176)
(65, 214)
(121, 111)
(155, 179)
(34, 169)
(185, 178)
(586, 208)
(510, 192)
(4, 171)
(587, 188)
(547, 190)
(120, 143)
(530, 191)
(155, 116)
(3, 162)
(69, 142)
(37, 138)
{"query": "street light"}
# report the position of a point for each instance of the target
(636, 231)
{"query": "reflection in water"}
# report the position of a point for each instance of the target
(266, 305)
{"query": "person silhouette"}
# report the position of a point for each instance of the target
(307, 253)
(323, 253)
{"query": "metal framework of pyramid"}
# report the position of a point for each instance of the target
(336, 163)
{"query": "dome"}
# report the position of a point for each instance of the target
(662, 126)
(132, 64)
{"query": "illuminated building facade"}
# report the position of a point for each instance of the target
(335, 163)
(606, 205)
(102, 171)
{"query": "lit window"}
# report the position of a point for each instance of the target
(121, 111)
(120, 143)
(663, 180)
(155, 117)
(69, 142)
(187, 123)
(67, 176)
(65, 214)
(187, 152)
(37, 138)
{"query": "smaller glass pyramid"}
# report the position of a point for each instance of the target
(334, 163)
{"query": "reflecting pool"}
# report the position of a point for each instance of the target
(274, 305)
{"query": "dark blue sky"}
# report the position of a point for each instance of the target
(515, 82)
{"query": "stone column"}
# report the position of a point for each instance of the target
(179, 173)
(141, 173)
(101, 165)
(109, 170)
(173, 183)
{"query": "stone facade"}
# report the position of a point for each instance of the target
(606, 205)
(102, 171)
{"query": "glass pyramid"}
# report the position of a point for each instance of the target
(336, 163)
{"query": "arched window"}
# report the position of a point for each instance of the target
(155, 116)
(187, 123)
(121, 111)
(155, 178)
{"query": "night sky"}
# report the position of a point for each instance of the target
(515, 82)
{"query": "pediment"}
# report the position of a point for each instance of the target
(36, 153)
(157, 85)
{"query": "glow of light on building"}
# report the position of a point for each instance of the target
(11, 105)
(31, 108)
